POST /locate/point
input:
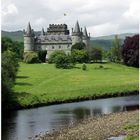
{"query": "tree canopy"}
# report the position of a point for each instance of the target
(130, 51)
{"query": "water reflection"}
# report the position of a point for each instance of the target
(23, 124)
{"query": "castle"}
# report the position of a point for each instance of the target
(57, 37)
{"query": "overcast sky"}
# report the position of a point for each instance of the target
(101, 17)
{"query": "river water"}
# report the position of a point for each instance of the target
(22, 124)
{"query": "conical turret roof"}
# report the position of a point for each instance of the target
(85, 32)
(29, 30)
(42, 32)
(77, 28)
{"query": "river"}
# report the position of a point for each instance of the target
(22, 124)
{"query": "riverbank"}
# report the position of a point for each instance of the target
(100, 128)
(43, 84)
(19, 107)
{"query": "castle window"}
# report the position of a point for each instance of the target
(68, 46)
(59, 47)
(52, 47)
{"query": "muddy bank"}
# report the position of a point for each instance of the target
(98, 128)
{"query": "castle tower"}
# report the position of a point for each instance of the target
(76, 34)
(28, 39)
(42, 32)
(86, 38)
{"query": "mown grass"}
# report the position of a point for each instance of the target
(43, 83)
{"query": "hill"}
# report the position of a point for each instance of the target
(110, 37)
(104, 42)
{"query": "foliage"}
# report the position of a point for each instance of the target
(54, 54)
(115, 51)
(63, 61)
(31, 57)
(130, 51)
(84, 67)
(49, 84)
(95, 54)
(78, 46)
(9, 71)
(80, 56)
(42, 55)
(101, 43)
(17, 47)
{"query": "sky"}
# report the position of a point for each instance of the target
(101, 17)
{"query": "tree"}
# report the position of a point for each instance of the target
(116, 50)
(80, 56)
(9, 71)
(78, 46)
(42, 55)
(95, 54)
(130, 51)
(17, 47)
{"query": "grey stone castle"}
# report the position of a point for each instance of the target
(57, 37)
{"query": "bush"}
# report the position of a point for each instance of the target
(101, 66)
(31, 57)
(130, 51)
(63, 61)
(84, 67)
(53, 55)
(80, 56)
(42, 55)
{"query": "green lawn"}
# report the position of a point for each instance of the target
(43, 83)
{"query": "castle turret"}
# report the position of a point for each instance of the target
(86, 38)
(29, 39)
(76, 34)
(42, 32)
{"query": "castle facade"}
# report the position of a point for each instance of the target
(57, 37)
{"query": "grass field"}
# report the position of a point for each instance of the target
(43, 83)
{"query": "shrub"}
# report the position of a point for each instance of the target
(42, 55)
(63, 61)
(101, 66)
(31, 57)
(53, 55)
(84, 67)
(80, 56)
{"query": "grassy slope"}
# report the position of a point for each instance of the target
(43, 83)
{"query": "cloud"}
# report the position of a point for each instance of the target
(101, 17)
